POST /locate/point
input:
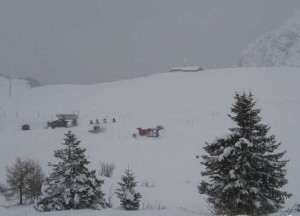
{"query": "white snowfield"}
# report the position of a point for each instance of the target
(193, 109)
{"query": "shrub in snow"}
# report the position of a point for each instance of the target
(293, 210)
(71, 185)
(245, 174)
(129, 198)
(107, 169)
(147, 183)
(153, 206)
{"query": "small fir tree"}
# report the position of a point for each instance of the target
(71, 185)
(129, 198)
(245, 174)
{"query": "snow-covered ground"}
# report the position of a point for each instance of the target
(192, 107)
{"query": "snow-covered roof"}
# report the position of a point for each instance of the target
(67, 116)
(186, 69)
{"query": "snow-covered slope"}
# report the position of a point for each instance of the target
(279, 48)
(10, 87)
(192, 107)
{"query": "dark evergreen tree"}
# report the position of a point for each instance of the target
(71, 185)
(244, 171)
(129, 198)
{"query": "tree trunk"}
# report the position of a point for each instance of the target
(21, 194)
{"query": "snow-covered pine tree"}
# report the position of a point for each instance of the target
(71, 185)
(129, 198)
(244, 171)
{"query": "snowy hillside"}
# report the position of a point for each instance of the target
(192, 107)
(12, 87)
(279, 48)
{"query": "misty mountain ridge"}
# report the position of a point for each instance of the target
(31, 82)
(278, 48)
(11, 87)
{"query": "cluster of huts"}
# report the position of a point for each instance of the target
(70, 120)
(63, 120)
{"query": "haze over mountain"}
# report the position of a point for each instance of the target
(84, 42)
(278, 48)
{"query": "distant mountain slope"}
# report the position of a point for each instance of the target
(279, 48)
(12, 87)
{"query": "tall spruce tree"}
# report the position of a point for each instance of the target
(129, 198)
(71, 185)
(244, 171)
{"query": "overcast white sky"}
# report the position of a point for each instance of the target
(89, 41)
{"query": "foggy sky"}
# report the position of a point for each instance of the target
(89, 41)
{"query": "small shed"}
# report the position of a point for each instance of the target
(26, 127)
(150, 132)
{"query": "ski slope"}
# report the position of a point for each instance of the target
(192, 107)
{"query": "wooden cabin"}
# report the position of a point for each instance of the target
(150, 132)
